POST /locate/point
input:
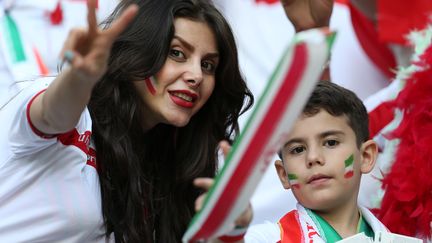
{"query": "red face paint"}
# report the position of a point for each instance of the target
(150, 83)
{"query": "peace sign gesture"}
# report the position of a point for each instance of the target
(87, 50)
(307, 14)
(59, 108)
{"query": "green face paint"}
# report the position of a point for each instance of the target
(293, 180)
(349, 167)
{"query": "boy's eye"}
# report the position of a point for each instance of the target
(208, 66)
(176, 53)
(297, 150)
(331, 143)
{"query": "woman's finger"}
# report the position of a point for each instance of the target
(72, 58)
(74, 37)
(225, 146)
(121, 23)
(91, 18)
(69, 52)
(199, 202)
(203, 183)
(287, 2)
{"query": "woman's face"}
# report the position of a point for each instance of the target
(186, 80)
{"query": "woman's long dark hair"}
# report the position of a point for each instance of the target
(146, 176)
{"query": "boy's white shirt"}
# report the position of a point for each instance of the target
(270, 232)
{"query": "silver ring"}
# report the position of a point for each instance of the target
(68, 56)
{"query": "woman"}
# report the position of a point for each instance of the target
(156, 94)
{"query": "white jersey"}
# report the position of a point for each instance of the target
(49, 187)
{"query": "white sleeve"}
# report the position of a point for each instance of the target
(21, 139)
(263, 233)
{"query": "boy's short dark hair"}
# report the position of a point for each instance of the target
(339, 101)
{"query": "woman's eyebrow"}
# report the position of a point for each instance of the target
(186, 44)
(191, 48)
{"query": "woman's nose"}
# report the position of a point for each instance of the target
(194, 75)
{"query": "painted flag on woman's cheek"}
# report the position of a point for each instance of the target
(275, 112)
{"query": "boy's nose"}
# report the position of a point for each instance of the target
(314, 157)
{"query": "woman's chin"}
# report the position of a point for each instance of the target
(179, 122)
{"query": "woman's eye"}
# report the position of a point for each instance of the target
(208, 67)
(177, 54)
(331, 143)
(297, 150)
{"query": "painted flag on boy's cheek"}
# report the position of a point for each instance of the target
(265, 131)
(293, 180)
(349, 167)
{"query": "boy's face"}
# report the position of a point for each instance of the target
(322, 163)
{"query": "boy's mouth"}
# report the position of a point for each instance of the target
(318, 178)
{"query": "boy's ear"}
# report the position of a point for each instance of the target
(369, 153)
(283, 177)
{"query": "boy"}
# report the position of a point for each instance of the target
(322, 161)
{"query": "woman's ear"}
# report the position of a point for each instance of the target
(283, 177)
(369, 153)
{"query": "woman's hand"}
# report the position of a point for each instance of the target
(58, 109)
(87, 50)
(206, 183)
(308, 14)
(242, 221)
